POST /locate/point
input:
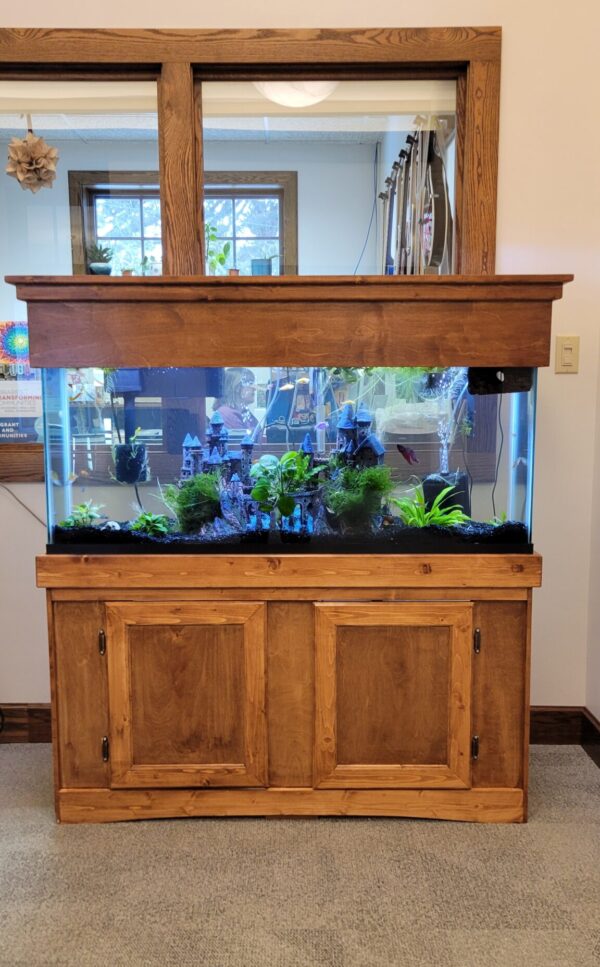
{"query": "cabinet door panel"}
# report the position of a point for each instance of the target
(187, 694)
(393, 695)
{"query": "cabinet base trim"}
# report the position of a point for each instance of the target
(116, 805)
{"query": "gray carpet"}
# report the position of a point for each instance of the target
(302, 893)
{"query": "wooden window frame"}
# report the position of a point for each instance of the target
(180, 59)
(82, 184)
(286, 183)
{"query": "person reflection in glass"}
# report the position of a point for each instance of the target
(239, 394)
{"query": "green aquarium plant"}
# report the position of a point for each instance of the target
(414, 512)
(195, 503)
(355, 494)
(276, 482)
(154, 525)
(83, 515)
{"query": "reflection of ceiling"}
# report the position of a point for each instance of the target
(81, 127)
(357, 111)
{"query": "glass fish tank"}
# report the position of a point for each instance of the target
(289, 459)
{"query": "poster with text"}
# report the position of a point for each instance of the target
(20, 387)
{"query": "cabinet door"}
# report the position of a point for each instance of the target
(186, 686)
(393, 688)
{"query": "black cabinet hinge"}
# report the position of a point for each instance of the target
(105, 748)
(477, 640)
(475, 747)
(102, 641)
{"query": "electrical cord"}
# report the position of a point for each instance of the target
(23, 504)
(373, 209)
(501, 428)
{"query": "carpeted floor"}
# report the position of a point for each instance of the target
(302, 893)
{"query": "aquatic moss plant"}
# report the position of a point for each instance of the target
(356, 494)
(195, 503)
(83, 515)
(414, 512)
(154, 525)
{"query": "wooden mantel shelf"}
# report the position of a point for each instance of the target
(196, 321)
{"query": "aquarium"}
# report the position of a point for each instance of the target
(289, 458)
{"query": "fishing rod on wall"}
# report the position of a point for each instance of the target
(417, 215)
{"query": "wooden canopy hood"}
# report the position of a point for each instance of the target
(313, 321)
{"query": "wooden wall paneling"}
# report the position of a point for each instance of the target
(290, 692)
(479, 163)
(81, 698)
(21, 462)
(180, 191)
(499, 693)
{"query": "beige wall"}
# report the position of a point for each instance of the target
(549, 207)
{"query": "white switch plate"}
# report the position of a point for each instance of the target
(567, 354)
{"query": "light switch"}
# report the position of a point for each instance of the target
(567, 354)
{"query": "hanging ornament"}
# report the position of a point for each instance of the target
(32, 161)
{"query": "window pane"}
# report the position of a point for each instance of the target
(118, 218)
(257, 217)
(151, 216)
(127, 254)
(218, 214)
(374, 162)
(263, 249)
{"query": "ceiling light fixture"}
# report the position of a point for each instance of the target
(296, 93)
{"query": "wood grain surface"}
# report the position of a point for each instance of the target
(499, 693)
(81, 695)
(353, 699)
(468, 805)
(187, 694)
(290, 692)
(290, 571)
(180, 187)
(435, 45)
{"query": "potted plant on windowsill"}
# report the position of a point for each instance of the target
(98, 258)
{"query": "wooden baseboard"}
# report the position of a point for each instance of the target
(590, 735)
(556, 724)
(550, 725)
(25, 723)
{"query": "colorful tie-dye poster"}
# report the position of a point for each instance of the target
(20, 387)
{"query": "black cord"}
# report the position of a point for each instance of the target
(373, 210)
(114, 414)
(24, 505)
(500, 427)
(137, 494)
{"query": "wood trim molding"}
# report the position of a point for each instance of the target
(79, 184)
(430, 45)
(25, 722)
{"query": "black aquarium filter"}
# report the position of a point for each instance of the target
(484, 381)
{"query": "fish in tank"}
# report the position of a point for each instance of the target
(321, 459)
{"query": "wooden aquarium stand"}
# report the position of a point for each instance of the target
(299, 684)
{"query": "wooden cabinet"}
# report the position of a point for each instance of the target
(262, 695)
